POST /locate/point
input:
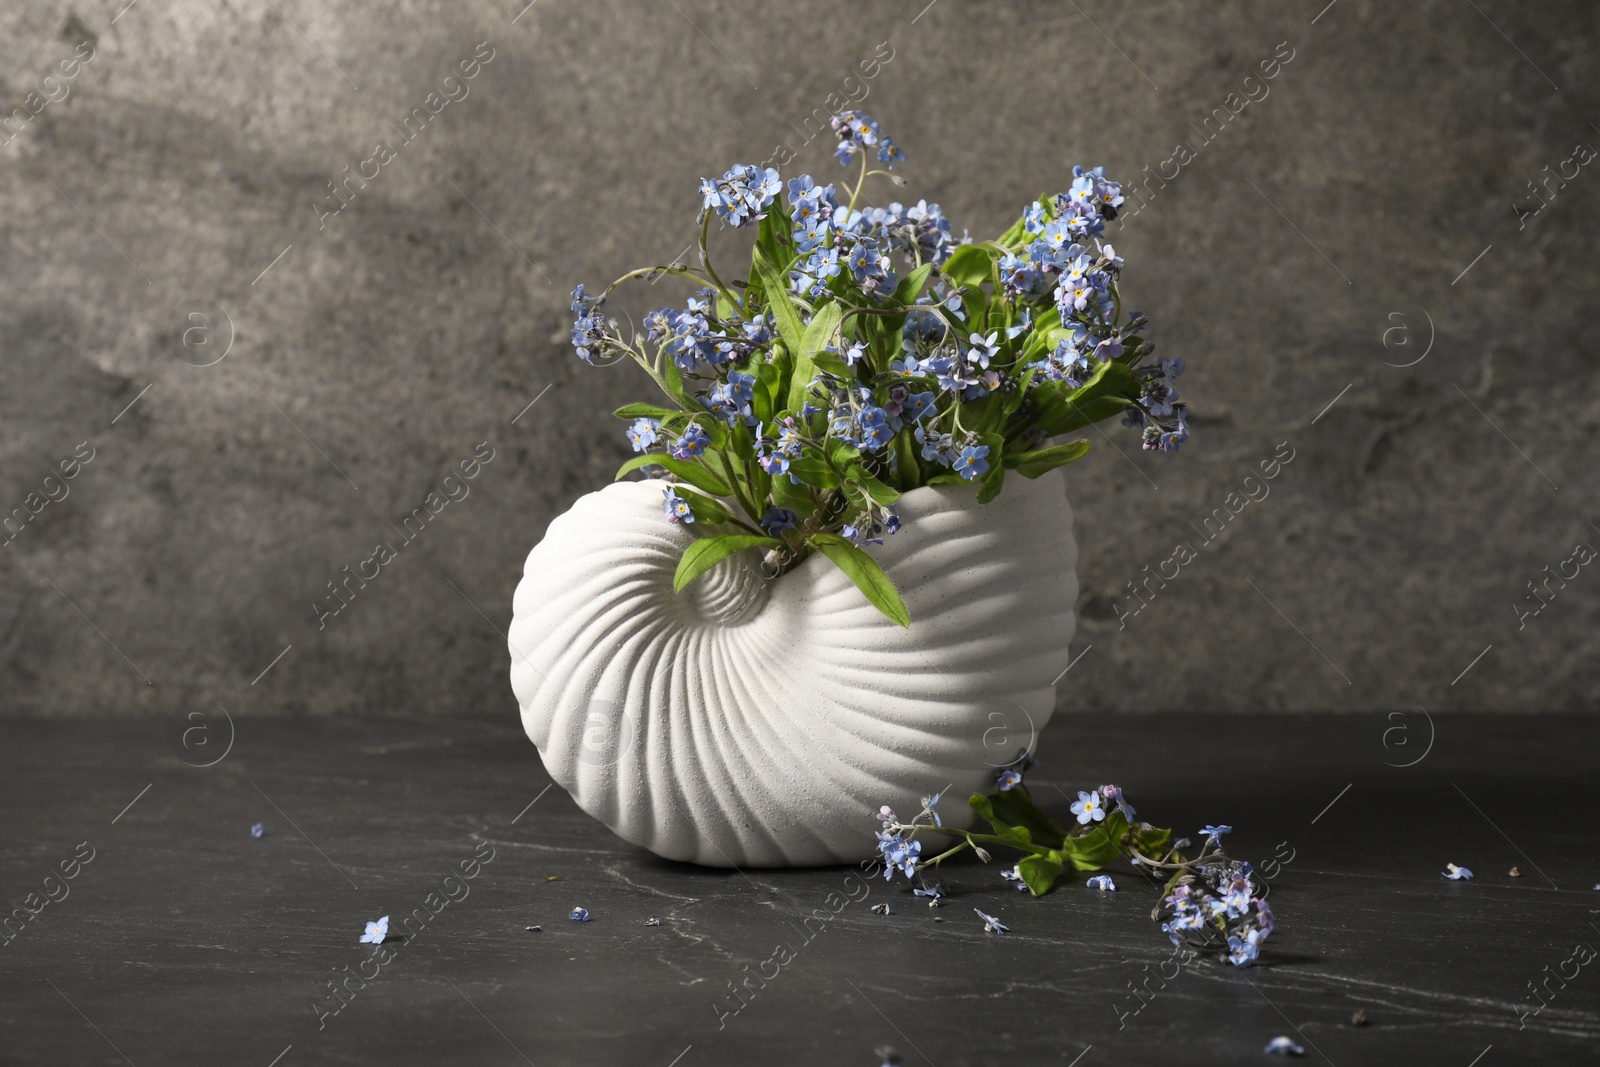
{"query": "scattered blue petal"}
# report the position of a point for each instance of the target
(258, 830)
(991, 924)
(376, 932)
(579, 915)
(1282, 1046)
(1102, 882)
(1461, 874)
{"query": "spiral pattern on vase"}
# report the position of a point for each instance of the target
(755, 722)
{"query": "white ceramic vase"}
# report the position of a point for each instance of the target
(754, 722)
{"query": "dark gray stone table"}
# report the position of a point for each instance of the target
(186, 941)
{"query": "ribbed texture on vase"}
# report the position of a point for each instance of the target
(770, 739)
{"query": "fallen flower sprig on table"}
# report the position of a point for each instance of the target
(1210, 902)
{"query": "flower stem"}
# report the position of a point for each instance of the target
(705, 261)
(687, 272)
(862, 180)
(941, 857)
(990, 839)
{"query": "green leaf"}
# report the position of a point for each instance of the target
(649, 459)
(905, 452)
(976, 303)
(1110, 389)
(822, 326)
(991, 483)
(984, 414)
(947, 478)
(1046, 335)
(764, 401)
(687, 469)
(1019, 229)
(1075, 415)
(778, 387)
(1015, 807)
(1011, 403)
(1018, 836)
(1153, 841)
(831, 362)
(1039, 873)
(813, 470)
(758, 483)
(644, 411)
(674, 379)
(792, 495)
(1033, 464)
(717, 429)
(867, 575)
(1014, 234)
(881, 494)
(969, 265)
(709, 551)
(1099, 846)
(721, 464)
(784, 313)
(997, 315)
(772, 241)
(856, 496)
(911, 285)
(741, 441)
(1112, 377)
(842, 453)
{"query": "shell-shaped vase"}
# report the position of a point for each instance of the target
(748, 721)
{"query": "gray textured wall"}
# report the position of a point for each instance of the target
(387, 341)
